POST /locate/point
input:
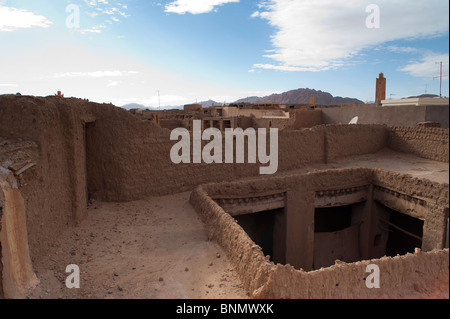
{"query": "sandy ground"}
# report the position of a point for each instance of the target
(149, 249)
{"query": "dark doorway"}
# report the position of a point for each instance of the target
(336, 236)
(266, 229)
(89, 149)
(405, 233)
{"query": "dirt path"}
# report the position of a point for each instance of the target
(148, 249)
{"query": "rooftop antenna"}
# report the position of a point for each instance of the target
(440, 77)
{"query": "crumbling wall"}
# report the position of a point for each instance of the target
(16, 270)
(408, 276)
(50, 189)
(426, 142)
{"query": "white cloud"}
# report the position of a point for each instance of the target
(284, 67)
(12, 19)
(397, 49)
(428, 66)
(321, 35)
(195, 6)
(96, 74)
(114, 11)
(112, 83)
(94, 29)
(8, 85)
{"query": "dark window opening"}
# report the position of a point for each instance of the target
(336, 235)
(405, 233)
(333, 219)
(266, 229)
(226, 124)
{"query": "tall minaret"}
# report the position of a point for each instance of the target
(380, 93)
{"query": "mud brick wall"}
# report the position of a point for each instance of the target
(350, 140)
(53, 189)
(426, 142)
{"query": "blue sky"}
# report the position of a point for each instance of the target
(129, 51)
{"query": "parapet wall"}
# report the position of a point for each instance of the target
(351, 140)
(426, 142)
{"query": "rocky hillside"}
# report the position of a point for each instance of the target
(301, 96)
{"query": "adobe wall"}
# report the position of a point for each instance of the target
(350, 140)
(147, 159)
(408, 276)
(52, 192)
(306, 119)
(426, 142)
(268, 123)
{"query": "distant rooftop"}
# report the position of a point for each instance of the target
(417, 101)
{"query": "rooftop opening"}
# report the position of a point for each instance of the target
(336, 236)
(266, 229)
(405, 233)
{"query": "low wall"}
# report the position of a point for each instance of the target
(426, 142)
(350, 140)
(142, 166)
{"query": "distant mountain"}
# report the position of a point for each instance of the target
(301, 96)
(132, 106)
(210, 103)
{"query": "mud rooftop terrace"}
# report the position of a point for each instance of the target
(91, 185)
